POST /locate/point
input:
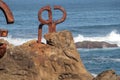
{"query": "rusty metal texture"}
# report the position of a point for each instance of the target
(3, 33)
(50, 22)
(3, 47)
(9, 19)
(7, 12)
(40, 33)
(8, 15)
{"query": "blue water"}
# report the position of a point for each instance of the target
(97, 60)
(91, 19)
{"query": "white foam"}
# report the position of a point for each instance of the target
(94, 75)
(115, 60)
(19, 41)
(112, 37)
(97, 49)
(108, 59)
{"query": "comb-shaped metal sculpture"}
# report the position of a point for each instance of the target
(50, 22)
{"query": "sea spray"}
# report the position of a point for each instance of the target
(113, 37)
(20, 41)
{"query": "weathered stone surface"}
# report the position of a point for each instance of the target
(95, 44)
(56, 60)
(107, 75)
(3, 47)
(118, 77)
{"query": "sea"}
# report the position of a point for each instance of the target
(88, 20)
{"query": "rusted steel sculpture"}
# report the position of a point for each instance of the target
(9, 19)
(3, 47)
(51, 23)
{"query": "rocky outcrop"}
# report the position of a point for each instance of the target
(95, 44)
(2, 49)
(56, 60)
(107, 75)
(3, 46)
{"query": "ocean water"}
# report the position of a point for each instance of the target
(90, 20)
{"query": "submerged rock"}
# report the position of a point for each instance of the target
(56, 60)
(95, 44)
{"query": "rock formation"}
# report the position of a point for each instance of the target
(107, 75)
(56, 60)
(3, 47)
(95, 44)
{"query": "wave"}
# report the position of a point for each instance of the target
(116, 60)
(94, 75)
(108, 59)
(97, 49)
(19, 41)
(113, 38)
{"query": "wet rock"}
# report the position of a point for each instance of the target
(107, 75)
(56, 60)
(95, 44)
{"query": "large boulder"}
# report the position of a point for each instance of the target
(107, 75)
(94, 44)
(56, 60)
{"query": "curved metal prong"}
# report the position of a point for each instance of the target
(40, 33)
(46, 8)
(3, 47)
(7, 12)
(64, 14)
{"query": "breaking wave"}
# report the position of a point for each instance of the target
(19, 41)
(112, 37)
(95, 75)
(110, 59)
